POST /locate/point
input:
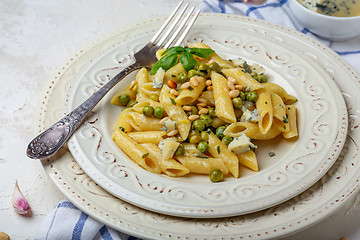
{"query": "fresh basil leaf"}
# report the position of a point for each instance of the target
(201, 52)
(187, 61)
(166, 62)
(173, 50)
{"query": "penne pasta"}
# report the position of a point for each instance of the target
(202, 165)
(175, 111)
(248, 159)
(251, 130)
(292, 118)
(139, 154)
(170, 167)
(190, 95)
(242, 78)
(275, 88)
(154, 137)
(219, 150)
(280, 120)
(266, 111)
(223, 105)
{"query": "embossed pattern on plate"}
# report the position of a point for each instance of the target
(338, 185)
(322, 122)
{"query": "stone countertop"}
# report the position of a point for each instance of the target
(35, 38)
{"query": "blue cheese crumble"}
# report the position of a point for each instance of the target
(241, 144)
(169, 125)
(158, 78)
(250, 116)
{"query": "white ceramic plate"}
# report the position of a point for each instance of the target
(339, 184)
(322, 123)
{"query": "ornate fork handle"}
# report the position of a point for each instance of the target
(51, 140)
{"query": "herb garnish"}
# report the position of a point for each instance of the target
(186, 58)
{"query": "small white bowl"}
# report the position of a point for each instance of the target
(328, 27)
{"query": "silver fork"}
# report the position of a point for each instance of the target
(51, 140)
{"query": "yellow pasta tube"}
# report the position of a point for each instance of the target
(266, 112)
(147, 89)
(280, 120)
(202, 165)
(275, 88)
(248, 159)
(251, 130)
(172, 73)
(189, 96)
(154, 137)
(142, 77)
(136, 152)
(223, 105)
(242, 78)
(141, 123)
(122, 122)
(175, 112)
(170, 167)
(291, 115)
(219, 150)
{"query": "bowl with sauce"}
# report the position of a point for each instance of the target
(335, 20)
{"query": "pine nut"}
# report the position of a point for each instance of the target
(200, 79)
(193, 117)
(204, 111)
(201, 104)
(210, 88)
(231, 85)
(194, 82)
(233, 80)
(132, 84)
(187, 108)
(174, 92)
(172, 84)
(208, 83)
(185, 86)
(203, 100)
(163, 120)
(239, 87)
(173, 132)
(234, 93)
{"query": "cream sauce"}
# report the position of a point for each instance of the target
(336, 8)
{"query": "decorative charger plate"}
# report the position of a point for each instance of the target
(324, 197)
(322, 124)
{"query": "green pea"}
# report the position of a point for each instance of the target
(131, 103)
(251, 96)
(215, 66)
(159, 112)
(148, 111)
(262, 79)
(198, 125)
(193, 73)
(205, 136)
(207, 119)
(203, 69)
(194, 111)
(227, 140)
(237, 103)
(242, 95)
(195, 139)
(212, 112)
(220, 131)
(182, 77)
(203, 146)
(154, 97)
(123, 99)
(216, 175)
(180, 150)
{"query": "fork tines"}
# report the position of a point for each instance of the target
(175, 30)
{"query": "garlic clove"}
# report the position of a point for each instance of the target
(19, 202)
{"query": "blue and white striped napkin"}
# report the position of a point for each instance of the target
(68, 222)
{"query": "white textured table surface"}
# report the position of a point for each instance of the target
(35, 38)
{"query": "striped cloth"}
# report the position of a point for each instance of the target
(68, 222)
